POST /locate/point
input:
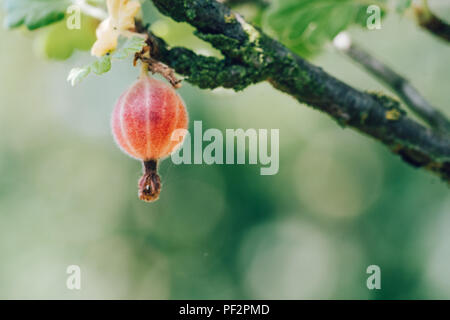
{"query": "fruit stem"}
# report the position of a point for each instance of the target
(144, 69)
(150, 183)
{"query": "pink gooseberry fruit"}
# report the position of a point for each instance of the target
(143, 121)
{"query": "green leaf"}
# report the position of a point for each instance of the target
(128, 46)
(403, 5)
(76, 75)
(34, 13)
(305, 25)
(102, 65)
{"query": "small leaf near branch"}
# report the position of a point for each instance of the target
(403, 5)
(102, 65)
(305, 25)
(76, 75)
(128, 47)
(34, 14)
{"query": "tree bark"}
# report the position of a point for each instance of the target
(251, 57)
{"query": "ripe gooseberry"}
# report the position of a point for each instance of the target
(143, 121)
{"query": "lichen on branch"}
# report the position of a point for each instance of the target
(251, 56)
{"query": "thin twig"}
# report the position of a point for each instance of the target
(412, 98)
(155, 66)
(146, 55)
(432, 23)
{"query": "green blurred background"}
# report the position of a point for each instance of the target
(340, 202)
